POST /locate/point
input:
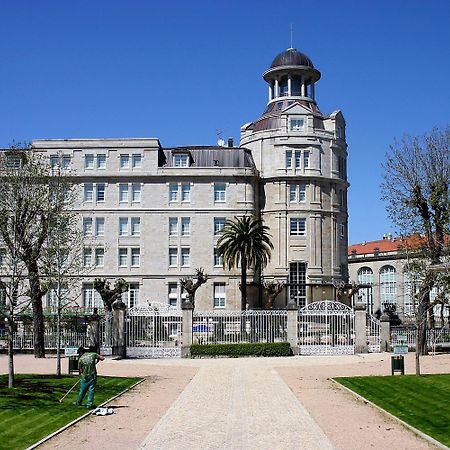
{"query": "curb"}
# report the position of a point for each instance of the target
(419, 433)
(78, 419)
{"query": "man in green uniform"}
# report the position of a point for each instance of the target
(88, 374)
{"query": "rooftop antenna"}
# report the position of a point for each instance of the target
(291, 37)
(220, 140)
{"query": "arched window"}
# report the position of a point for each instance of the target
(388, 287)
(365, 276)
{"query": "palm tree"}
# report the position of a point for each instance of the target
(245, 241)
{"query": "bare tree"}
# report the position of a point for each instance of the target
(27, 214)
(191, 286)
(273, 289)
(62, 257)
(13, 296)
(108, 295)
(416, 189)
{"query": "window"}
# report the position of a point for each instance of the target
(135, 226)
(388, 288)
(87, 257)
(342, 230)
(297, 283)
(181, 160)
(88, 192)
(135, 257)
(2, 257)
(340, 132)
(124, 162)
(88, 161)
(185, 192)
(341, 195)
(297, 193)
(219, 223)
(131, 296)
(219, 295)
(173, 226)
(219, 192)
(410, 288)
(99, 257)
(173, 192)
(123, 257)
(288, 159)
(298, 227)
(173, 294)
(185, 257)
(305, 159)
(365, 276)
(173, 257)
(123, 193)
(123, 226)
(341, 167)
(218, 260)
(101, 162)
(54, 161)
(297, 124)
(136, 161)
(13, 162)
(91, 298)
(100, 192)
(298, 159)
(136, 193)
(100, 226)
(62, 162)
(87, 226)
(185, 226)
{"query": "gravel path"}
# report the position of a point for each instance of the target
(249, 403)
(237, 404)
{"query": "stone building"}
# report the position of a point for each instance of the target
(152, 214)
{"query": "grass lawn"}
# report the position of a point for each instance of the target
(31, 410)
(420, 401)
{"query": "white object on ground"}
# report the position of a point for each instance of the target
(103, 411)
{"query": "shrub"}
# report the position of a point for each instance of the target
(236, 350)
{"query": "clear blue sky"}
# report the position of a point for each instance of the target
(180, 70)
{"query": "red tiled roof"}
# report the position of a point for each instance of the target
(386, 245)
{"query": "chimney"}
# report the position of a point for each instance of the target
(376, 251)
(230, 142)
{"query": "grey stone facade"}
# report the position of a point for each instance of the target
(151, 214)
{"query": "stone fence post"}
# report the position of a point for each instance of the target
(385, 333)
(186, 342)
(119, 347)
(93, 331)
(292, 326)
(360, 328)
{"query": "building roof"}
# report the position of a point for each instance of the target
(210, 156)
(386, 245)
(291, 57)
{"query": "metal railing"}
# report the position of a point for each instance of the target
(435, 337)
(234, 327)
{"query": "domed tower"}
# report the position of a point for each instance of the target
(301, 156)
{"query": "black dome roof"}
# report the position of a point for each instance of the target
(291, 57)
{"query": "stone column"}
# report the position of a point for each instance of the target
(275, 94)
(303, 86)
(385, 333)
(188, 312)
(119, 347)
(360, 328)
(270, 91)
(292, 326)
(289, 86)
(93, 331)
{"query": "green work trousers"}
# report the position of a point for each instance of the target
(87, 385)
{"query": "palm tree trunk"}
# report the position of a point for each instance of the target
(244, 284)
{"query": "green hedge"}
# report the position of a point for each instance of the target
(236, 350)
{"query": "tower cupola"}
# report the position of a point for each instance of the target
(291, 74)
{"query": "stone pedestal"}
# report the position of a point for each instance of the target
(385, 333)
(118, 327)
(188, 313)
(93, 331)
(292, 326)
(360, 328)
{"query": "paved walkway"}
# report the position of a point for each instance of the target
(237, 406)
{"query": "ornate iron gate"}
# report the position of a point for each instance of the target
(326, 328)
(373, 334)
(105, 334)
(154, 331)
